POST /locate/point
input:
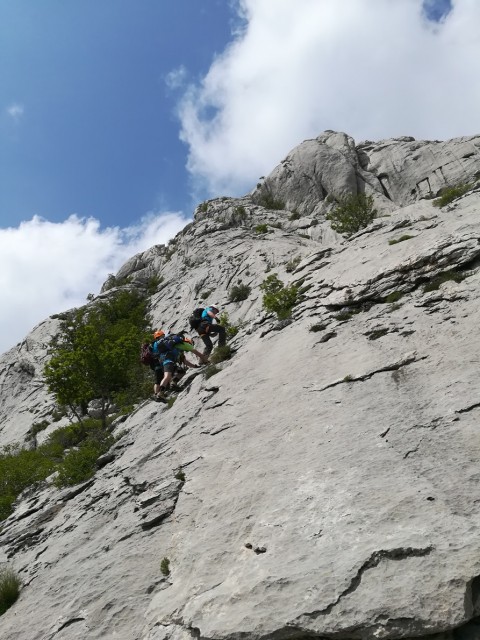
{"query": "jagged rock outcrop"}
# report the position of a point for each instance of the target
(330, 468)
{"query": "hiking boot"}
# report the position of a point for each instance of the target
(160, 396)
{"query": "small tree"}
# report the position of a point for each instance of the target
(278, 298)
(352, 214)
(95, 355)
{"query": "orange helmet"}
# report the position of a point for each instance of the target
(159, 334)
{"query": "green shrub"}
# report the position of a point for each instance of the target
(165, 566)
(278, 298)
(267, 200)
(261, 228)
(153, 283)
(295, 216)
(180, 475)
(293, 264)
(206, 294)
(19, 469)
(230, 329)
(394, 296)
(220, 354)
(80, 464)
(171, 401)
(210, 371)
(36, 428)
(401, 239)
(203, 208)
(344, 316)
(445, 276)
(352, 214)
(317, 327)
(240, 212)
(9, 588)
(239, 292)
(450, 194)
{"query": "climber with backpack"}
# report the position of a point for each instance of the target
(149, 358)
(202, 321)
(170, 349)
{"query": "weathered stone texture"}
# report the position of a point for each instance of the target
(331, 475)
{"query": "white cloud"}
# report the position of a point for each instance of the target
(372, 68)
(176, 78)
(15, 111)
(48, 267)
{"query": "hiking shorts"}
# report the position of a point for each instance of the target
(169, 366)
(157, 369)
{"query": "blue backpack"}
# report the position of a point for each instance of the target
(166, 346)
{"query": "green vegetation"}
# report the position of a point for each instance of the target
(36, 428)
(295, 216)
(206, 294)
(165, 566)
(180, 475)
(450, 194)
(267, 200)
(394, 296)
(19, 469)
(277, 298)
(401, 239)
(210, 371)
(220, 354)
(343, 316)
(240, 213)
(72, 451)
(112, 282)
(95, 354)
(9, 588)
(239, 292)
(348, 378)
(318, 327)
(171, 401)
(80, 464)
(352, 213)
(231, 329)
(203, 208)
(445, 276)
(261, 228)
(153, 283)
(293, 264)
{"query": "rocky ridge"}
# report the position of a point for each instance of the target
(330, 467)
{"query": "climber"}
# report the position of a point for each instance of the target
(170, 350)
(206, 329)
(156, 365)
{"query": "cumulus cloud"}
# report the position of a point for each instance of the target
(15, 111)
(372, 68)
(48, 267)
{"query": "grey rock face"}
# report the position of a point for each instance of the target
(329, 469)
(396, 172)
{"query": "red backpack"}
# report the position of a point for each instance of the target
(146, 355)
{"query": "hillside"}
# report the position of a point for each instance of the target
(331, 466)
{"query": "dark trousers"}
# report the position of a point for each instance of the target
(207, 331)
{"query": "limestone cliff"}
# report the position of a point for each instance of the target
(331, 466)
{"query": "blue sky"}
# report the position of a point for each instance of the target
(117, 117)
(95, 132)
